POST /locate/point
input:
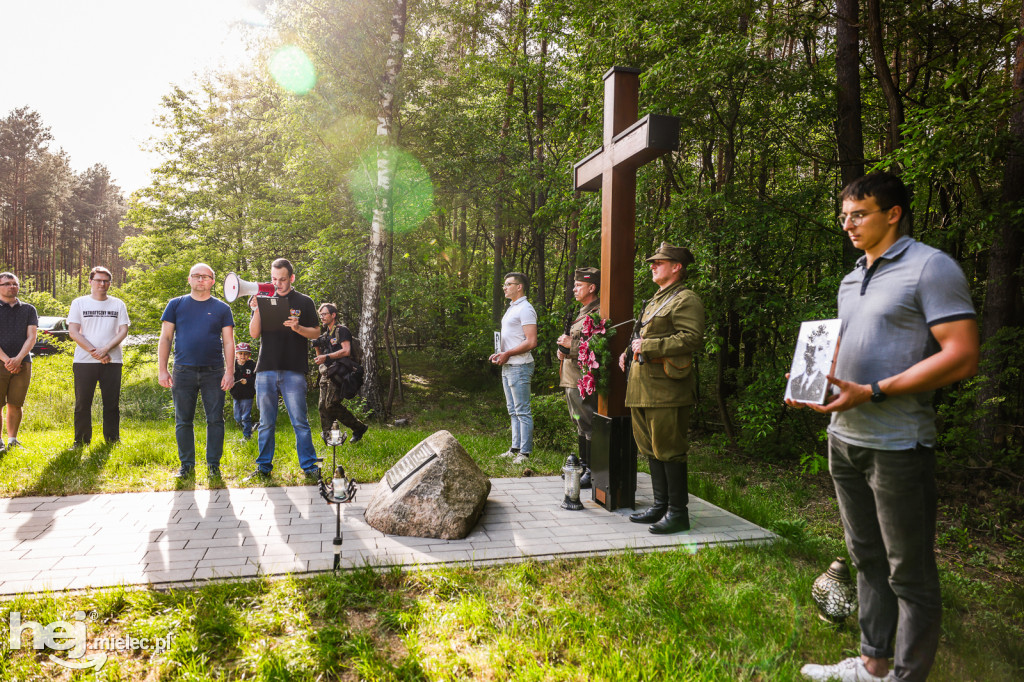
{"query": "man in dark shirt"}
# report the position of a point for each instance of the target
(18, 323)
(281, 370)
(330, 406)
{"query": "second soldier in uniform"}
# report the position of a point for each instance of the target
(586, 285)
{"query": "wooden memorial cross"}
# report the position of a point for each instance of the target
(628, 144)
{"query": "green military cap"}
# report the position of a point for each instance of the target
(588, 275)
(679, 254)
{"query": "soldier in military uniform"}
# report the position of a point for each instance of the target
(586, 285)
(661, 387)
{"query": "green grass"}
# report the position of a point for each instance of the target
(738, 613)
(741, 613)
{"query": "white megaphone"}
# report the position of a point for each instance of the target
(235, 286)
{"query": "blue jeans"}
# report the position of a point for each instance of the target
(243, 415)
(887, 501)
(292, 387)
(189, 382)
(515, 379)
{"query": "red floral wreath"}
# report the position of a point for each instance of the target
(593, 354)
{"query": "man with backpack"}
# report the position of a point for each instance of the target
(340, 373)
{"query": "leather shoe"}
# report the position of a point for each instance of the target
(585, 480)
(649, 515)
(257, 476)
(672, 522)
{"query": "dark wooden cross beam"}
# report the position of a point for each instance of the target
(628, 144)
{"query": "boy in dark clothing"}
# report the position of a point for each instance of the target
(244, 390)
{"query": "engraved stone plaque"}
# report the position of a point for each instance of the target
(410, 464)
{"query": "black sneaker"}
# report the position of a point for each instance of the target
(214, 472)
(184, 473)
(258, 476)
(357, 434)
(312, 475)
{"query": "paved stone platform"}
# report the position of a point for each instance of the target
(185, 537)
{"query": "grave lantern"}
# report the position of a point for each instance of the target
(571, 472)
(834, 593)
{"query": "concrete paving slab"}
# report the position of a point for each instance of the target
(188, 537)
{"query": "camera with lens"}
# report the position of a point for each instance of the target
(323, 343)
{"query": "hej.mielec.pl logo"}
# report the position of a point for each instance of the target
(71, 636)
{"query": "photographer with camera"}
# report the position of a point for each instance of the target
(338, 368)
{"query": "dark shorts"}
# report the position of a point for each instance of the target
(14, 387)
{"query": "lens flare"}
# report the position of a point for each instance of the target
(412, 192)
(293, 70)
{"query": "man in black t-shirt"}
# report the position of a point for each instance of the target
(281, 370)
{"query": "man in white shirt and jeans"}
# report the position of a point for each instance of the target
(98, 324)
(518, 338)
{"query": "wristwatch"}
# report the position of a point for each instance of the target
(877, 395)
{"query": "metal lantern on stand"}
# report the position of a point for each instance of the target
(341, 490)
(571, 472)
(834, 593)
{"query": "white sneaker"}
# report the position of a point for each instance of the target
(508, 454)
(14, 443)
(849, 670)
(521, 458)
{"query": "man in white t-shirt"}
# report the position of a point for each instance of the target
(98, 324)
(518, 338)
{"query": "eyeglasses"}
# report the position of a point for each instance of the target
(506, 285)
(326, 313)
(857, 218)
(101, 281)
(201, 277)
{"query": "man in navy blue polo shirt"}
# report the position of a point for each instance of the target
(18, 324)
(203, 333)
(908, 328)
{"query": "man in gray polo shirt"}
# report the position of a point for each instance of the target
(908, 328)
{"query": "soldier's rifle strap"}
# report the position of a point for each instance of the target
(667, 301)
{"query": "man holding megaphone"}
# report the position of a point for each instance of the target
(282, 366)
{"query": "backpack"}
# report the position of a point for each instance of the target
(355, 350)
(347, 375)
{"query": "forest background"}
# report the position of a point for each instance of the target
(405, 154)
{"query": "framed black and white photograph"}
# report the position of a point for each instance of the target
(813, 358)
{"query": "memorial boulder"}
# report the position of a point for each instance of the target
(435, 491)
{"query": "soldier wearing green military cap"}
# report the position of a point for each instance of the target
(661, 388)
(586, 287)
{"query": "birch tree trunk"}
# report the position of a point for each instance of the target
(374, 277)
